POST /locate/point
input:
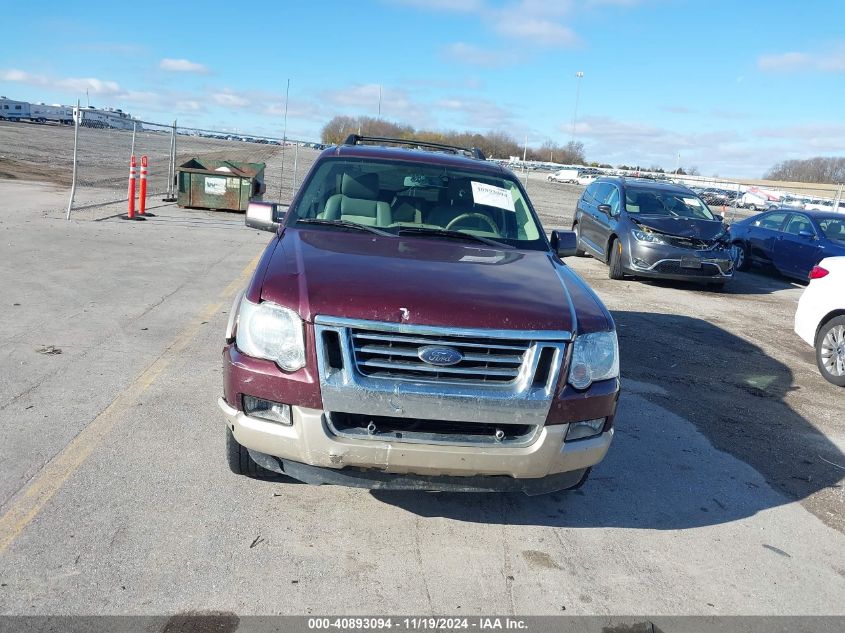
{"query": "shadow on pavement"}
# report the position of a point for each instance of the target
(743, 283)
(721, 445)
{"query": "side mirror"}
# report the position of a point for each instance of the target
(564, 243)
(265, 216)
(606, 209)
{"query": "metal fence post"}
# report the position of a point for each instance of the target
(284, 142)
(173, 173)
(295, 157)
(170, 193)
(134, 130)
(77, 114)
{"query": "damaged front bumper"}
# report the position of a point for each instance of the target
(309, 451)
(667, 261)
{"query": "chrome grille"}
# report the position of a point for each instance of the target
(396, 355)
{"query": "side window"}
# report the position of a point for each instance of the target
(590, 193)
(612, 198)
(772, 221)
(798, 223)
(597, 193)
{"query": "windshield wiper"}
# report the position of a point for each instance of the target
(345, 224)
(422, 230)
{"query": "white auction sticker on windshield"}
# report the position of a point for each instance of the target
(492, 196)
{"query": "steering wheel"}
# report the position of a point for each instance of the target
(474, 216)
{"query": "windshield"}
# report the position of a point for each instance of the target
(833, 228)
(396, 196)
(672, 204)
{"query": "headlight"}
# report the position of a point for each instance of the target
(594, 357)
(266, 330)
(642, 236)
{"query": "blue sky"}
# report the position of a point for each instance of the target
(731, 86)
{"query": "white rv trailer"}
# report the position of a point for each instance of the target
(41, 113)
(106, 118)
(11, 110)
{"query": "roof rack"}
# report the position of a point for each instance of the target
(357, 139)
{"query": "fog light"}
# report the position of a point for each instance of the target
(585, 428)
(268, 410)
(640, 262)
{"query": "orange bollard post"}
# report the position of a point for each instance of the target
(142, 195)
(132, 169)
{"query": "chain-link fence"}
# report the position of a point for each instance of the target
(104, 149)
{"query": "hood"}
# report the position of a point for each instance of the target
(683, 227)
(432, 281)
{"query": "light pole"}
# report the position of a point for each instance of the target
(578, 77)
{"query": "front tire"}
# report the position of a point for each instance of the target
(579, 252)
(615, 265)
(742, 261)
(241, 463)
(830, 351)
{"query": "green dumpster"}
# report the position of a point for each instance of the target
(219, 184)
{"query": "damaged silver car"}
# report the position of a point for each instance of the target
(643, 228)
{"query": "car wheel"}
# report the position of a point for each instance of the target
(241, 463)
(579, 252)
(830, 351)
(615, 270)
(741, 259)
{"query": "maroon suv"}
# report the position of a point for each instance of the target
(410, 326)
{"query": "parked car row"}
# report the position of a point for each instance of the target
(647, 229)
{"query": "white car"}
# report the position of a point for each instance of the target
(586, 178)
(820, 318)
(564, 175)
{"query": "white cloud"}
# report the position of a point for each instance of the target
(784, 62)
(531, 23)
(182, 66)
(460, 6)
(17, 76)
(831, 60)
(189, 105)
(539, 31)
(476, 113)
(230, 99)
(78, 85)
(396, 103)
(476, 56)
(677, 109)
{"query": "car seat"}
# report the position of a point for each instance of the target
(358, 202)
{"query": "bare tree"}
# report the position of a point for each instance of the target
(496, 144)
(819, 169)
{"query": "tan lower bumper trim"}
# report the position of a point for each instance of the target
(309, 441)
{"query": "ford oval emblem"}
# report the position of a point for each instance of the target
(440, 356)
